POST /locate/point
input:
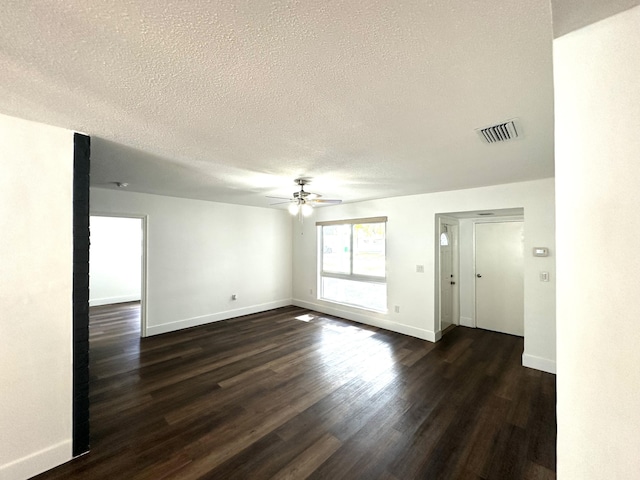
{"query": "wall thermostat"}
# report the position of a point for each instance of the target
(540, 252)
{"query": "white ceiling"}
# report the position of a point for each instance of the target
(570, 15)
(231, 101)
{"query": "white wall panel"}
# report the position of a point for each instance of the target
(35, 297)
(411, 240)
(200, 253)
(597, 83)
(115, 260)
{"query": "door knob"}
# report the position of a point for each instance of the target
(478, 275)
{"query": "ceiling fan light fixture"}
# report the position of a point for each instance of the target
(302, 202)
(294, 208)
(306, 209)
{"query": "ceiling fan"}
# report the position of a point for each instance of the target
(303, 202)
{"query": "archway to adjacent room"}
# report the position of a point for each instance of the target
(117, 264)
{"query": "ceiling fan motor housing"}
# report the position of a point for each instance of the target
(302, 197)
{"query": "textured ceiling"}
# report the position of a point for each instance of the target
(230, 101)
(570, 15)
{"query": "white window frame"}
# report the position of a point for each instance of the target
(350, 276)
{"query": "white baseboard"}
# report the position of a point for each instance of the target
(467, 322)
(214, 317)
(371, 319)
(539, 363)
(38, 462)
(109, 300)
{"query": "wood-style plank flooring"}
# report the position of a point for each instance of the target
(293, 394)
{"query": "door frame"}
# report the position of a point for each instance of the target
(145, 242)
(455, 267)
(497, 219)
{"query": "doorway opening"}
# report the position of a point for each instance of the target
(117, 264)
(459, 229)
(448, 255)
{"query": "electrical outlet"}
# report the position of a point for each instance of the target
(544, 276)
(311, 291)
(396, 309)
(234, 297)
(419, 268)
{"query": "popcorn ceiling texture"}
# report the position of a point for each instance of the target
(230, 101)
(570, 15)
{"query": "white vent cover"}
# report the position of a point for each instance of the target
(501, 132)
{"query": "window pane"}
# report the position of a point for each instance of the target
(369, 249)
(360, 294)
(335, 249)
(444, 239)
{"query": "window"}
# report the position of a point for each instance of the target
(353, 262)
(444, 239)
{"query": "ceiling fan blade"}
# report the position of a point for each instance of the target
(302, 197)
(280, 198)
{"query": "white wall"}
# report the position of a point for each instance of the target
(597, 95)
(35, 297)
(200, 253)
(115, 260)
(411, 240)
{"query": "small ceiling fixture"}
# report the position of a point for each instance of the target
(121, 184)
(302, 202)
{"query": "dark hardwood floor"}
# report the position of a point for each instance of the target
(293, 394)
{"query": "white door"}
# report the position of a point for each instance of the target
(500, 277)
(448, 271)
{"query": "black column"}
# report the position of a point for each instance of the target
(82, 148)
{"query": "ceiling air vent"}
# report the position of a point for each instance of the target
(501, 132)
